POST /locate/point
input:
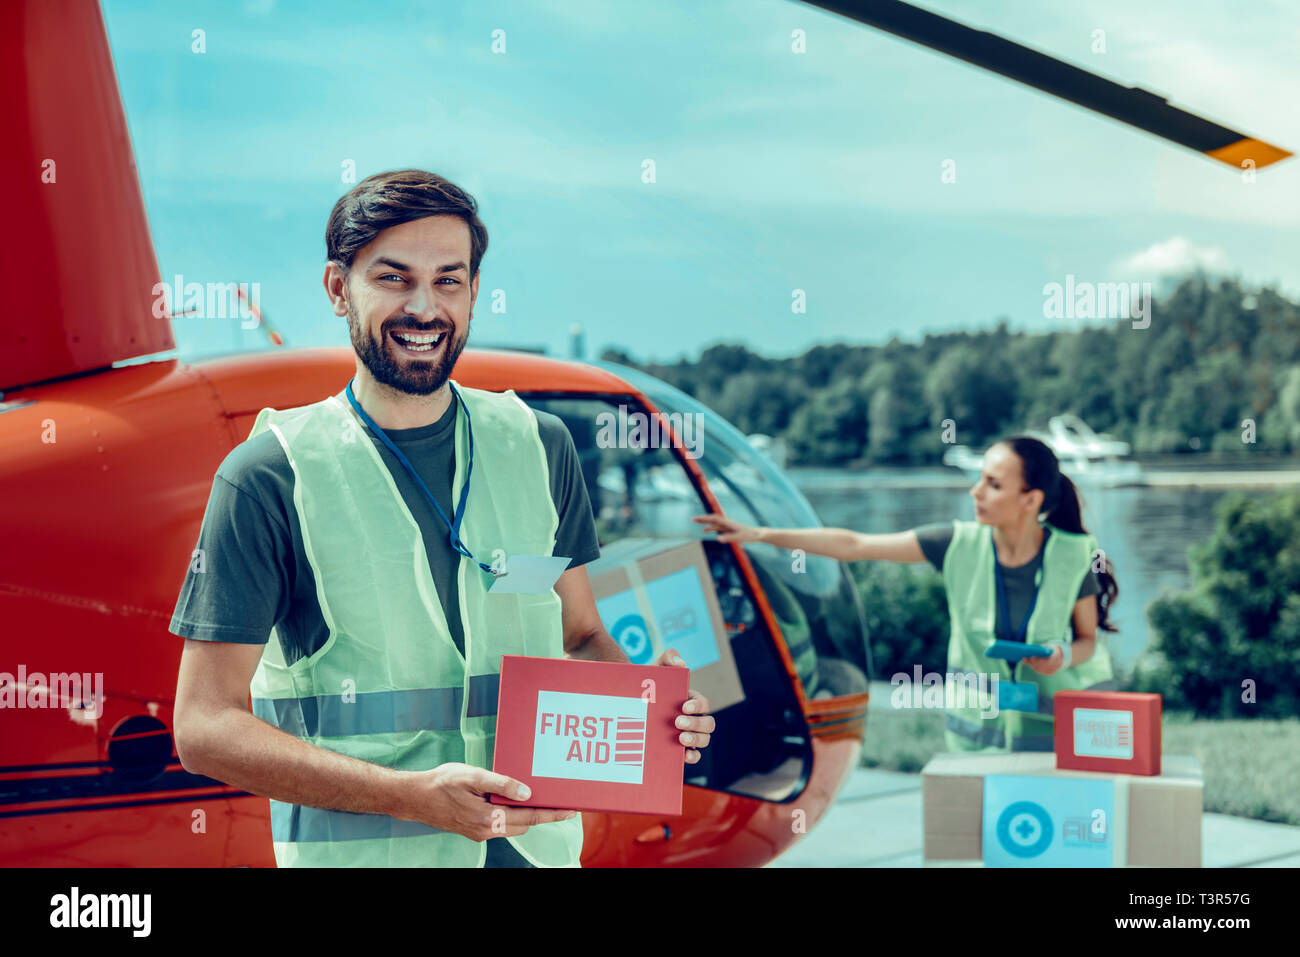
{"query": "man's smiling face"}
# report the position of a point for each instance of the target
(408, 285)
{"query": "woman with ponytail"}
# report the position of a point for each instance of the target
(1026, 570)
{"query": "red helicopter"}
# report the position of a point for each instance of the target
(109, 452)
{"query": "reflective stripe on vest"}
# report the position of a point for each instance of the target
(297, 823)
(992, 735)
(968, 572)
(379, 712)
(982, 735)
(389, 685)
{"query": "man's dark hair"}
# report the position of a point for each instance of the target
(396, 197)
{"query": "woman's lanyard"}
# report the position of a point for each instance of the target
(1002, 598)
(453, 526)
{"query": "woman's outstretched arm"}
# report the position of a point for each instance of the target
(843, 544)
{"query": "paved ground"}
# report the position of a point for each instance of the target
(876, 822)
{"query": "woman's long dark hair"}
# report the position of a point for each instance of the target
(1063, 508)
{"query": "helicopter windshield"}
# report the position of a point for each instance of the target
(814, 597)
(748, 486)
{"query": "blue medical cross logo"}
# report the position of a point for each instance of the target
(1017, 825)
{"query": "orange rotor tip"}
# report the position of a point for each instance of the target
(1249, 149)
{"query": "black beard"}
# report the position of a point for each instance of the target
(416, 378)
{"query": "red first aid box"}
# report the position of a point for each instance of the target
(1113, 731)
(591, 735)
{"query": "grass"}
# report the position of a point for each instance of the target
(902, 740)
(1252, 768)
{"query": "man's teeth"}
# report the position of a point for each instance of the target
(418, 343)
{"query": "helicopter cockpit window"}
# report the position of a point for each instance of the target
(752, 490)
(639, 488)
(748, 487)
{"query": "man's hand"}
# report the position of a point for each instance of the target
(695, 722)
(453, 797)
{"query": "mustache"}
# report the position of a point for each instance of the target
(417, 328)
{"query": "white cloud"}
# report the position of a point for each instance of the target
(1172, 256)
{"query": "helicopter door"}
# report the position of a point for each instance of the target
(640, 489)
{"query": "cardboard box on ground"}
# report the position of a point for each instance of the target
(971, 813)
(1104, 797)
(653, 594)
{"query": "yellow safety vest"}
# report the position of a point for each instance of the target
(389, 685)
(968, 575)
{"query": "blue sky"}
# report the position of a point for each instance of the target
(775, 171)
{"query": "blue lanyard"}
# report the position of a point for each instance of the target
(453, 526)
(1002, 597)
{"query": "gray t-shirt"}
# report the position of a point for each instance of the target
(255, 571)
(1019, 581)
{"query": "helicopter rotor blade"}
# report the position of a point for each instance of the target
(1131, 105)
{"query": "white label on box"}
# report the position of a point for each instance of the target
(589, 737)
(683, 616)
(1103, 733)
(1040, 821)
(622, 617)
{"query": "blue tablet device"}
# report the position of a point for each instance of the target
(1015, 650)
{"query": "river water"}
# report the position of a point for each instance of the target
(1144, 531)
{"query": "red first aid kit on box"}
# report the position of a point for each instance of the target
(591, 735)
(1107, 731)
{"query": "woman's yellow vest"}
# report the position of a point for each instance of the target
(968, 575)
(389, 685)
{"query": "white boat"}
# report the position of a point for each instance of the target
(774, 450)
(1070, 436)
(1087, 457)
(965, 458)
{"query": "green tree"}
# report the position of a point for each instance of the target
(906, 613)
(978, 393)
(1280, 427)
(1241, 621)
(896, 407)
(831, 428)
(1212, 355)
(756, 402)
(1206, 399)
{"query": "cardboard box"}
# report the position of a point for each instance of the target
(1107, 731)
(1148, 820)
(591, 735)
(653, 594)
